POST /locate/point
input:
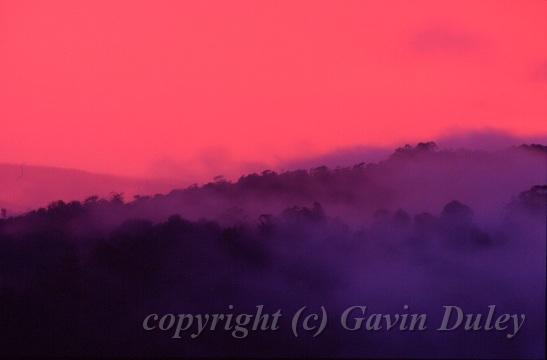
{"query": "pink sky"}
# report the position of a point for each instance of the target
(155, 87)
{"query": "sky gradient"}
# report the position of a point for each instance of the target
(156, 88)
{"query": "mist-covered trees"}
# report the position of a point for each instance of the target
(77, 278)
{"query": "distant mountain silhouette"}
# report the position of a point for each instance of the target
(24, 187)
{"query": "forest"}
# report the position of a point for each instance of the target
(79, 277)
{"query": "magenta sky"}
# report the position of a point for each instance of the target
(153, 87)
